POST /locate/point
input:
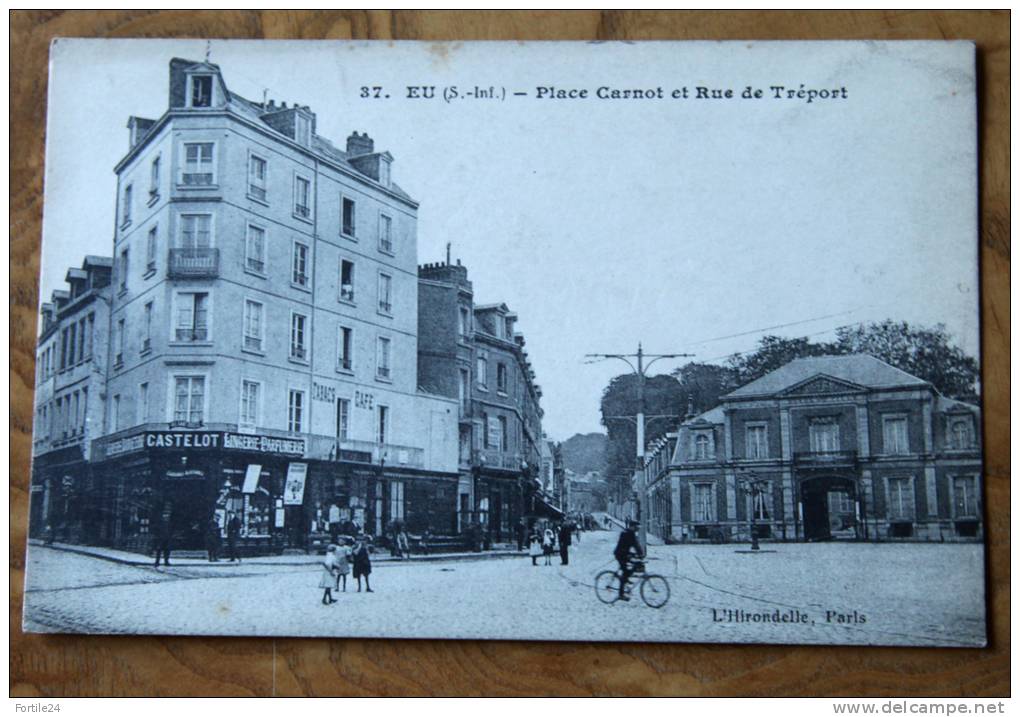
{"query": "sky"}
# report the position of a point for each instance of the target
(602, 223)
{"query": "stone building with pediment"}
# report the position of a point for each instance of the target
(823, 448)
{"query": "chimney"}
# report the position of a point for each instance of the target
(358, 144)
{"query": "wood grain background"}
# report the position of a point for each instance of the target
(78, 666)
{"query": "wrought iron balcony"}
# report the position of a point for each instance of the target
(498, 460)
(825, 458)
(203, 263)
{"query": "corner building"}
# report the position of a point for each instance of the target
(264, 332)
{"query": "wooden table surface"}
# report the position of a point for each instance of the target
(77, 666)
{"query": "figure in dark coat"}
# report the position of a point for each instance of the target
(164, 532)
(212, 540)
(362, 564)
(627, 545)
(233, 533)
(565, 532)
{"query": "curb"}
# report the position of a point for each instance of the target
(311, 562)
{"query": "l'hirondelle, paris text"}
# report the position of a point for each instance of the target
(697, 92)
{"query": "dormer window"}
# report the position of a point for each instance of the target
(302, 130)
(201, 90)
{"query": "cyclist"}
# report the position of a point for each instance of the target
(627, 545)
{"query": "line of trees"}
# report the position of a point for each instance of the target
(925, 352)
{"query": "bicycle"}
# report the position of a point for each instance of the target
(653, 588)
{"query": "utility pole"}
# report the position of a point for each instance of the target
(639, 367)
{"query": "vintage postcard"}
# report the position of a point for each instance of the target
(545, 341)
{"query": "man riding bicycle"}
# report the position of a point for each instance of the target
(626, 546)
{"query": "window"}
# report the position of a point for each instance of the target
(147, 327)
(761, 502)
(504, 436)
(114, 415)
(901, 499)
(960, 436)
(894, 435)
(299, 265)
(347, 216)
(384, 420)
(385, 293)
(255, 250)
(344, 356)
(346, 280)
(257, 177)
(83, 337)
(396, 500)
(501, 377)
(465, 390)
(89, 335)
(383, 358)
(297, 337)
(823, 434)
(195, 231)
(757, 441)
(508, 329)
(72, 332)
(118, 356)
(123, 269)
(295, 410)
(302, 197)
(252, 325)
(189, 399)
(464, 324)
(482, 377)
(965, 504)
(154, 178)
(302, 130)
(201, 90)
(386, 233)
(143, 403)
(343, 419)
(192, 317)
(150, 249)
(198, 164)
(249, 404)
(704, 506)
(125, 215)
(702, 447)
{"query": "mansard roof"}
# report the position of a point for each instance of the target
(857, 370)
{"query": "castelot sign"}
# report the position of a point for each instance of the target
(198, 441)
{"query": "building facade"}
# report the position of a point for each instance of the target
(831, 447)
(69, 396)
(263, 333)
(474, 354)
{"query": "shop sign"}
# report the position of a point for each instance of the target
(364, 399)
(294, 488)
(321, 392)
(264, 444)
(189, 474)
(200, 440)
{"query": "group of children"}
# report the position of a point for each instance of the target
(337, 563)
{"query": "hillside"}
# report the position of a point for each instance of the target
(584, 452)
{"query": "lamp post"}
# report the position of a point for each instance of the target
(753, 485)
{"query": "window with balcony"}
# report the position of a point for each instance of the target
(147, 328)
(252, 325)
(200, 94)
(345, 349)
(255, 250)
(385, 294)
(125, 215)
(192, 319)
(196, 231)
(249, 417)
(198, 169)
(257, 177)
(894, 435)
(383, 425)
(298, 351)
(386, 233)
(189, 400)
(302, 198)
(901, 499)
(823, 435)
(347, 225)
(343, 419)
(757, 441)
(965, 499)
(299, 265)
(151, 246)
(295, 410)
(383, 359)
(346, 280)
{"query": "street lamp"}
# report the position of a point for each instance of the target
(753, 485)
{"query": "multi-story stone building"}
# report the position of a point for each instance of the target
(264, 333)
(822, 448)
(473, 353)
(69, 395)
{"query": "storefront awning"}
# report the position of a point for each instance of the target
(542, 508)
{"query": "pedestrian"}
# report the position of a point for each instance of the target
(233, 533)
(534, 548)
(164, 531)
(548, 545)
(362, 562)
(565, 530)
(342, 556)
(522, 533)
(577, 530)
(212, 540)
(327, 580)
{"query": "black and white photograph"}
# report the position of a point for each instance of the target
(652, 342)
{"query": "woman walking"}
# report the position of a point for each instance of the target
(343, 565)
(534, 548)
(327, 581)
(548, 545)
(362, 563)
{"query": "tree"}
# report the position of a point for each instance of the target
(773, 352)
(703, 384)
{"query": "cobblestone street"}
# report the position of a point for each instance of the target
(847, 593)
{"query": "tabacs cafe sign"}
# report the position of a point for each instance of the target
(201, 441)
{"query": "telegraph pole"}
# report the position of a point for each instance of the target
(639, 367)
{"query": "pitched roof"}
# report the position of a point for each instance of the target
(860, 369)
(944, 405)
(713, 415)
